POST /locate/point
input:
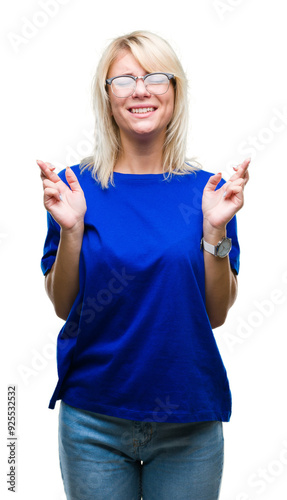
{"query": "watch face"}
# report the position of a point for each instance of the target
(224, 247)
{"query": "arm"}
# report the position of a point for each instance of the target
(67, 205)
(220, 282)
(62, 282)
(218, 209)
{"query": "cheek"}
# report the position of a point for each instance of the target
(117, 117)
(114, 113)
(113, 103)
(115, 109)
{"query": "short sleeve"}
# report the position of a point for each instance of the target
(51, 244)
(234, 255)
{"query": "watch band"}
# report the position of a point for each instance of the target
(208, 247)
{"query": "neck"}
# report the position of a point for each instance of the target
(141, 157)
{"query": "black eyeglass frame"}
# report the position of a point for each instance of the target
(109, 81)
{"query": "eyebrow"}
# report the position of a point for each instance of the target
(130, 73)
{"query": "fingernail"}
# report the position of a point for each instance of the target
(61, 197)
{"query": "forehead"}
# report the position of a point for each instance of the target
(126, 63)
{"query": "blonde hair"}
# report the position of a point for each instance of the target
(154, 54)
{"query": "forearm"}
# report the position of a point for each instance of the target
(62, 282)
(220, 281)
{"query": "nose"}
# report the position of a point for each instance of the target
(140, 89)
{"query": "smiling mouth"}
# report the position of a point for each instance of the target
(141, 110)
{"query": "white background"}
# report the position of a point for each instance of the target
(234, 53)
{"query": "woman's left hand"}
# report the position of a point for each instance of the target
(220, 206)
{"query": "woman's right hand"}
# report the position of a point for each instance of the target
(67, 205)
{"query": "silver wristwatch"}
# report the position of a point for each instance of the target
(221, 250)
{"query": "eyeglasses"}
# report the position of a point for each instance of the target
(125, 85)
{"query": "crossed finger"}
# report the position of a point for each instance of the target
(241, 172)
(47, 171)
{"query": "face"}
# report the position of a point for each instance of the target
(132, 124)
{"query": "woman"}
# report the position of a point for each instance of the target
(139, 264)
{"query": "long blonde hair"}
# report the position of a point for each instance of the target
(154, 54)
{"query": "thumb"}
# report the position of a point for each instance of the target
(213, 181)
(72, 180)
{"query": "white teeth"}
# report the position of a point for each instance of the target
(141, 110)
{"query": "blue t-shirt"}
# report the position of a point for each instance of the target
(138, 343)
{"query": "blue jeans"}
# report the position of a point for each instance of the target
(109, 458)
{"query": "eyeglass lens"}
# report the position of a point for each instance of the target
(124, 86)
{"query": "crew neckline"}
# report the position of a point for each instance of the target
(121, 175)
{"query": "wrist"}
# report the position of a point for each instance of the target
(213, 234)
(77, 230)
